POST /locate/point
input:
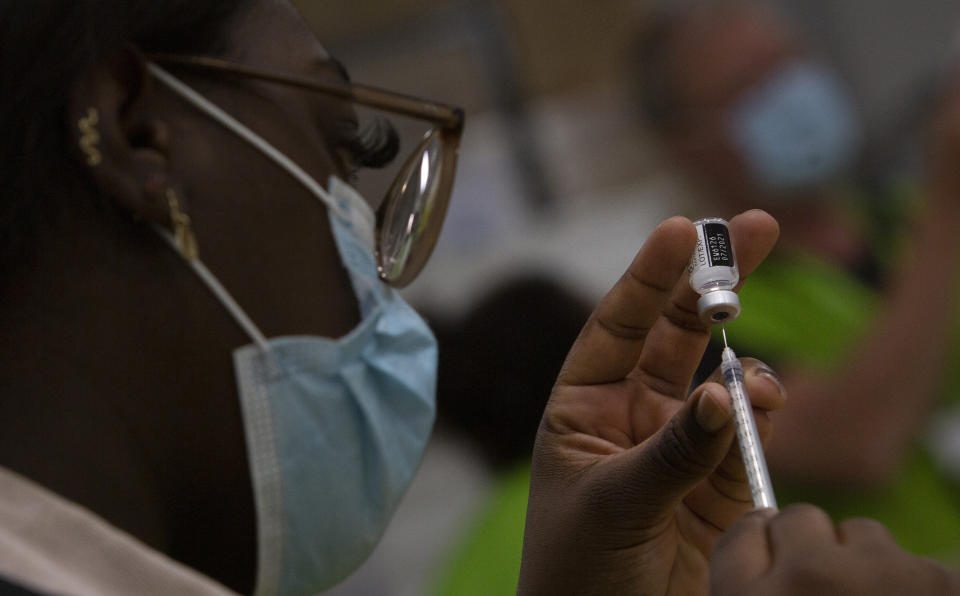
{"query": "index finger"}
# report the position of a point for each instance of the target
(612, 339)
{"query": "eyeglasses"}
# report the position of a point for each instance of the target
(411, 216)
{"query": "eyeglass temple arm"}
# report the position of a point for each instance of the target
(450, 118)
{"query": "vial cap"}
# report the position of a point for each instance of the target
(718, 306)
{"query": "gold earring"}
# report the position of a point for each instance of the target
(183, 236)
(90, 137)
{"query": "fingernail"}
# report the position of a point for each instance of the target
(762, 370)
(711, 416)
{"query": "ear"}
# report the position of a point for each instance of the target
(120, 138)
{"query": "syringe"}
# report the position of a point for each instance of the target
(761, 488)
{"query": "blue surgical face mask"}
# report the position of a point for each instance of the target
(797, 129)
(335, 428)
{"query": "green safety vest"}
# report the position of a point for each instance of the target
(805, 311)
(487, 563)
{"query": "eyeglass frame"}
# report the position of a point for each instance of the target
(447, 119)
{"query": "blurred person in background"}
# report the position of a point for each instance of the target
(754, 116)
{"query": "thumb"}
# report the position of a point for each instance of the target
(683, 453)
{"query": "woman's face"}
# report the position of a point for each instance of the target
(150, 340)
(259, 231)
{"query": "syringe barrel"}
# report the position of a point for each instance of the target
(761, 488)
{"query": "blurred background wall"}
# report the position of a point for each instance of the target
(889, 50)
(557, 178)
(551, 136)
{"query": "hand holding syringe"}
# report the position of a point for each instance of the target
(714, 274)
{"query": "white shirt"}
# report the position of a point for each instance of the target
(51, 545)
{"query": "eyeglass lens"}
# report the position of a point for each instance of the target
(412, 214)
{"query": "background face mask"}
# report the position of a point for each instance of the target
(797, 129)
(335, 429)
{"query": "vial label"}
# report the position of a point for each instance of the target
(713, 246)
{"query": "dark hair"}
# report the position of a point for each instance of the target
(45, 45)
(499, 362)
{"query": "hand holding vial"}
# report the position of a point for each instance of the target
(633, 479)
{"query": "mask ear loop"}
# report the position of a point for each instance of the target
(214, 285)
(204, 105)
(238, 128)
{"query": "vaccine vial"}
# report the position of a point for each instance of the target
(714, 273)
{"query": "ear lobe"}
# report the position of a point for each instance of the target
(119, 138)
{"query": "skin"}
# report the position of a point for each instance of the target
(119, 357)
(801, 551)
(862, 438)
(633, 483)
